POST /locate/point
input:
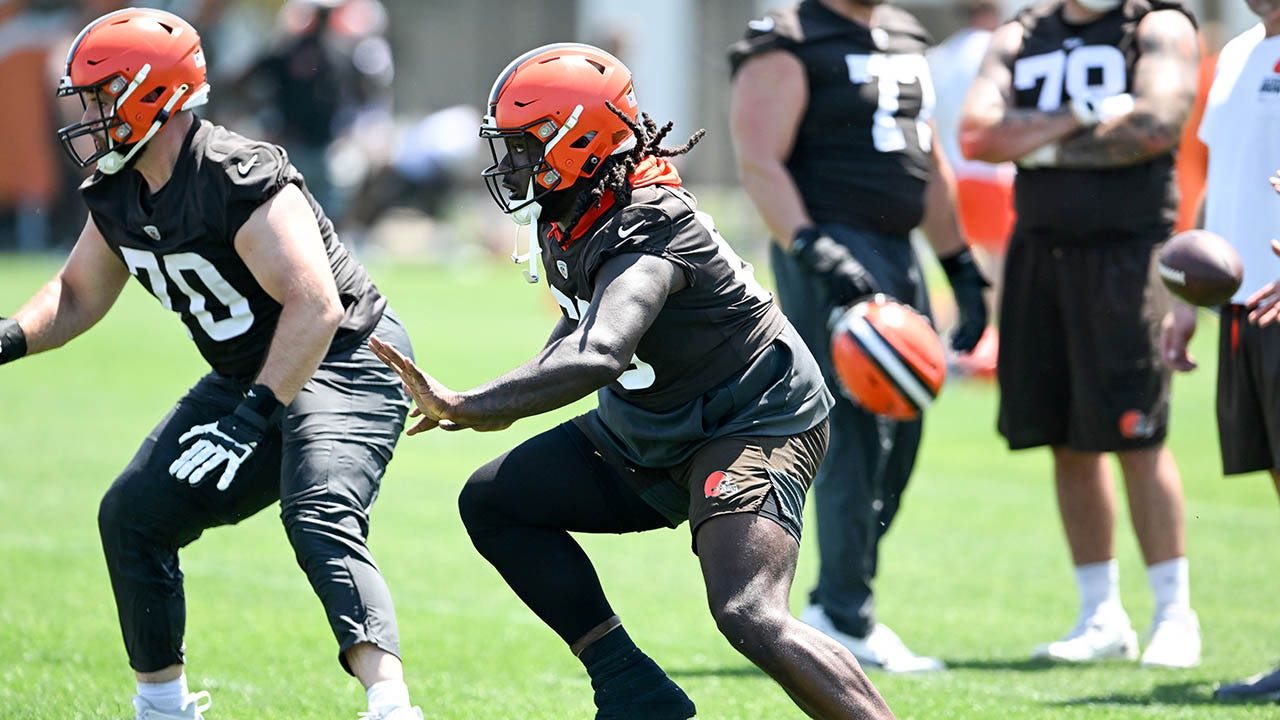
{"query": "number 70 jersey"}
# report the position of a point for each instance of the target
(180, 244)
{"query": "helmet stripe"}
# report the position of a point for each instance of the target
(75, 44)
(891, 362)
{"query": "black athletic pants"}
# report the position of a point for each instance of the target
(324, 463)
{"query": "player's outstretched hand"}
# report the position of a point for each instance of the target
(1275, 182)
(1175, 335)
(429, 396)
(1264, 304)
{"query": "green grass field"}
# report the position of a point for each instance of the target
(976, 571)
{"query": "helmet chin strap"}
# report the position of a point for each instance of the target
(113, 162)
(527, 217)
(529, 214)
(1100, 5)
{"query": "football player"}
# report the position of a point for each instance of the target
(222, 230)
(830, 111)
(1239, 129)
(710, 408)
(1089, 97)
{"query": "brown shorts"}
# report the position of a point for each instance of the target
(768, 476)
(1079, 361)
(1248, 393)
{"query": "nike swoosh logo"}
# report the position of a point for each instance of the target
(763, 25)
(247, 165)
(628, 232)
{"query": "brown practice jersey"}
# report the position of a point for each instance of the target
(862, 150)
(1060, 61)
(713, 339)
(179, 243)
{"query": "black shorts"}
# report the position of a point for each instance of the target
(1248, 393)
(1079, 361)
(768, 476)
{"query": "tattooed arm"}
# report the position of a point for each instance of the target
(1164, 90)
(991, 128)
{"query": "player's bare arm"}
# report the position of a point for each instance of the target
(991, 128)
(282, 247)
(768, 100)
(630, 291)
(563, 327)
(77, 297)
(1164, 91)
(941, 224)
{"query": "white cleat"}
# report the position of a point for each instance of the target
(881, 648)
(1101, 637)
(1174, 640)
(192, 709)
(395, 713)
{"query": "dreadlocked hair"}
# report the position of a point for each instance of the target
(614, 174)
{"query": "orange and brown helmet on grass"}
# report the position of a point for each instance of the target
(135, 68)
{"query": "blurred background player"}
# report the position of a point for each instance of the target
(1240, 130)
(830, 112)
(221, 230)
(327, 74)
(710, 409)
(984, 191)
(1090, 96)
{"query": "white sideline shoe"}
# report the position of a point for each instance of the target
(1174, 639)
(192, 709)
(1105, 636)
(882, 648)
(396, 713)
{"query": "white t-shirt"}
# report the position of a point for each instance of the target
(1241, 128)
(954, 66)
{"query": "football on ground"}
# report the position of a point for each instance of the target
(888, 357)
(1200, 267)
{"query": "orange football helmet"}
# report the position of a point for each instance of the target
(888, 358)
(554, 98)
(136, 66)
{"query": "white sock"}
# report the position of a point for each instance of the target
(1099, 585)
(165, 695)
(387, 694)
(1170, 583)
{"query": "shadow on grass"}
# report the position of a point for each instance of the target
(1183, 693)
(1019, 665)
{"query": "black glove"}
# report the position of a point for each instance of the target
(967, 283)
(13, 342)
(231, 440)
(828, 260)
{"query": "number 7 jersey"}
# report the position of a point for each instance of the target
(862, 150)
(180, 244)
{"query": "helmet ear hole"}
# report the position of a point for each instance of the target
(584, 141)
(151, 97)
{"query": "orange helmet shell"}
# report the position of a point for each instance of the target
(147, 63)
(888, 358)
(559, 92)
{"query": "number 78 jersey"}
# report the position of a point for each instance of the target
(180, 244)
(1060, 61)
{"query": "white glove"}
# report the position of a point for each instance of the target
(1092, 111)
(1045, 156)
